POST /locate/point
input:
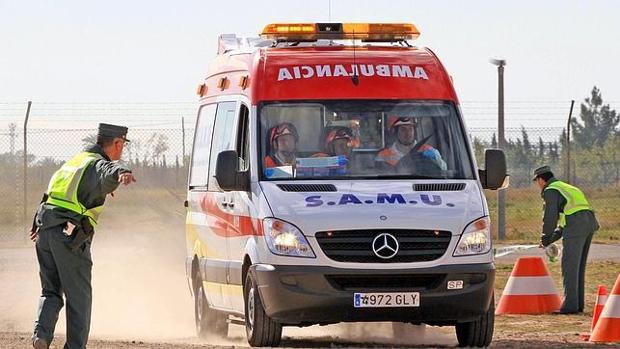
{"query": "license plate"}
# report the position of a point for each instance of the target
(386, 300)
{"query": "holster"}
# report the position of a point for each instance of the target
(82, 233)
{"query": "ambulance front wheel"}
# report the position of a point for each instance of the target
(477, 333)
(209, 322)
(261, 330)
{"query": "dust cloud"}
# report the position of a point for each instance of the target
(138, 275)
(378, 333)
(140, 291)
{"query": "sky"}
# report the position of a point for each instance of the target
(158, 51)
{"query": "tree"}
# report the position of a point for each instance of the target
(554, 153)
(541, 148)
(600, 122)
(157, 145)
(89, 140)
(479, 146)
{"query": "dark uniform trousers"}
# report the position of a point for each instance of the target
(574, 258)
(63, 271)
(577, 237)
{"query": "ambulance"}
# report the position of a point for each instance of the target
(332, 180)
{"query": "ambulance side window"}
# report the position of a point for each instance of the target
(243, 140)
(223, 137)
(202, 146)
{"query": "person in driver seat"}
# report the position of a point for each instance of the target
(403, 128)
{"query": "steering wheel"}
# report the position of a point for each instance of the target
(416, 164)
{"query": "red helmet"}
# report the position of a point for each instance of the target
(395, 121)
(285, 128)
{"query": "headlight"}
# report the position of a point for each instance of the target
(476, 238)
(285, 239)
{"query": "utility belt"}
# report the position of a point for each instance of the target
(79, 234)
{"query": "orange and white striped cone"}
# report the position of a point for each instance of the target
(530, 289)
(601, 299)
(607, 327)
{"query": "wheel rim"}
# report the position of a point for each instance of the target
(199, 308)
(251, 306)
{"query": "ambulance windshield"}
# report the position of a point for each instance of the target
(363, 139)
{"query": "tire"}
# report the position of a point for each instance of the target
(209, 322)
(261, 330)
(477, 333)
(405, 333)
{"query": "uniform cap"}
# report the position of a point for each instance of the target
(540, 171)
(112, 131)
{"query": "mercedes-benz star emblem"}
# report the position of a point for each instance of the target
(385, 246)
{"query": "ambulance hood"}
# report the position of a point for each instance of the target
(378, 204)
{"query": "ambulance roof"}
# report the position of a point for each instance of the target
(325, 72)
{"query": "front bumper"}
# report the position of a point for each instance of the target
(305, 295)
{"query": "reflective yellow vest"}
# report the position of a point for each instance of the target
(63, 187)
(575, 199)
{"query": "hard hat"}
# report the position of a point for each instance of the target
(338, 133)
(285, 128)
(395, 121)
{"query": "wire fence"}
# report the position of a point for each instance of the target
(161, 135)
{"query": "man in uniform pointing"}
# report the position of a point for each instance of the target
(63, 229)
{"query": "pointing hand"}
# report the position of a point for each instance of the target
(126, 178)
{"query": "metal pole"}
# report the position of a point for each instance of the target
(501, 194)
(570, 115)
(183, 136)
(25, 156)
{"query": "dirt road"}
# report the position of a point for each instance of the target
(141, 297)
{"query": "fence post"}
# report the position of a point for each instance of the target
(25, 156)
(501, 193)
(570, 114)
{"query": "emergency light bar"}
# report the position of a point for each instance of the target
(377, 32)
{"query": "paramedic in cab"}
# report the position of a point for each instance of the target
(403, 129)
(338, 142)
(283, 140)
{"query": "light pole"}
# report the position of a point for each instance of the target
(501, 141)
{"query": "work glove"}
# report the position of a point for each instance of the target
(548, 239)
(432, 154)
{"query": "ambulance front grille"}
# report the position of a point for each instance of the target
(355, 246)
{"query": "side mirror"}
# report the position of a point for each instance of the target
(227, 172)
(494, 174)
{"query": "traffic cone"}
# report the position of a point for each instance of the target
(601, 298)
(607, 327)
(530, 289)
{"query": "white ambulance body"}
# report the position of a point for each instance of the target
(306, 236)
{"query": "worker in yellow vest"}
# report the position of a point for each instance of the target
(567, 215)
(63, 229)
